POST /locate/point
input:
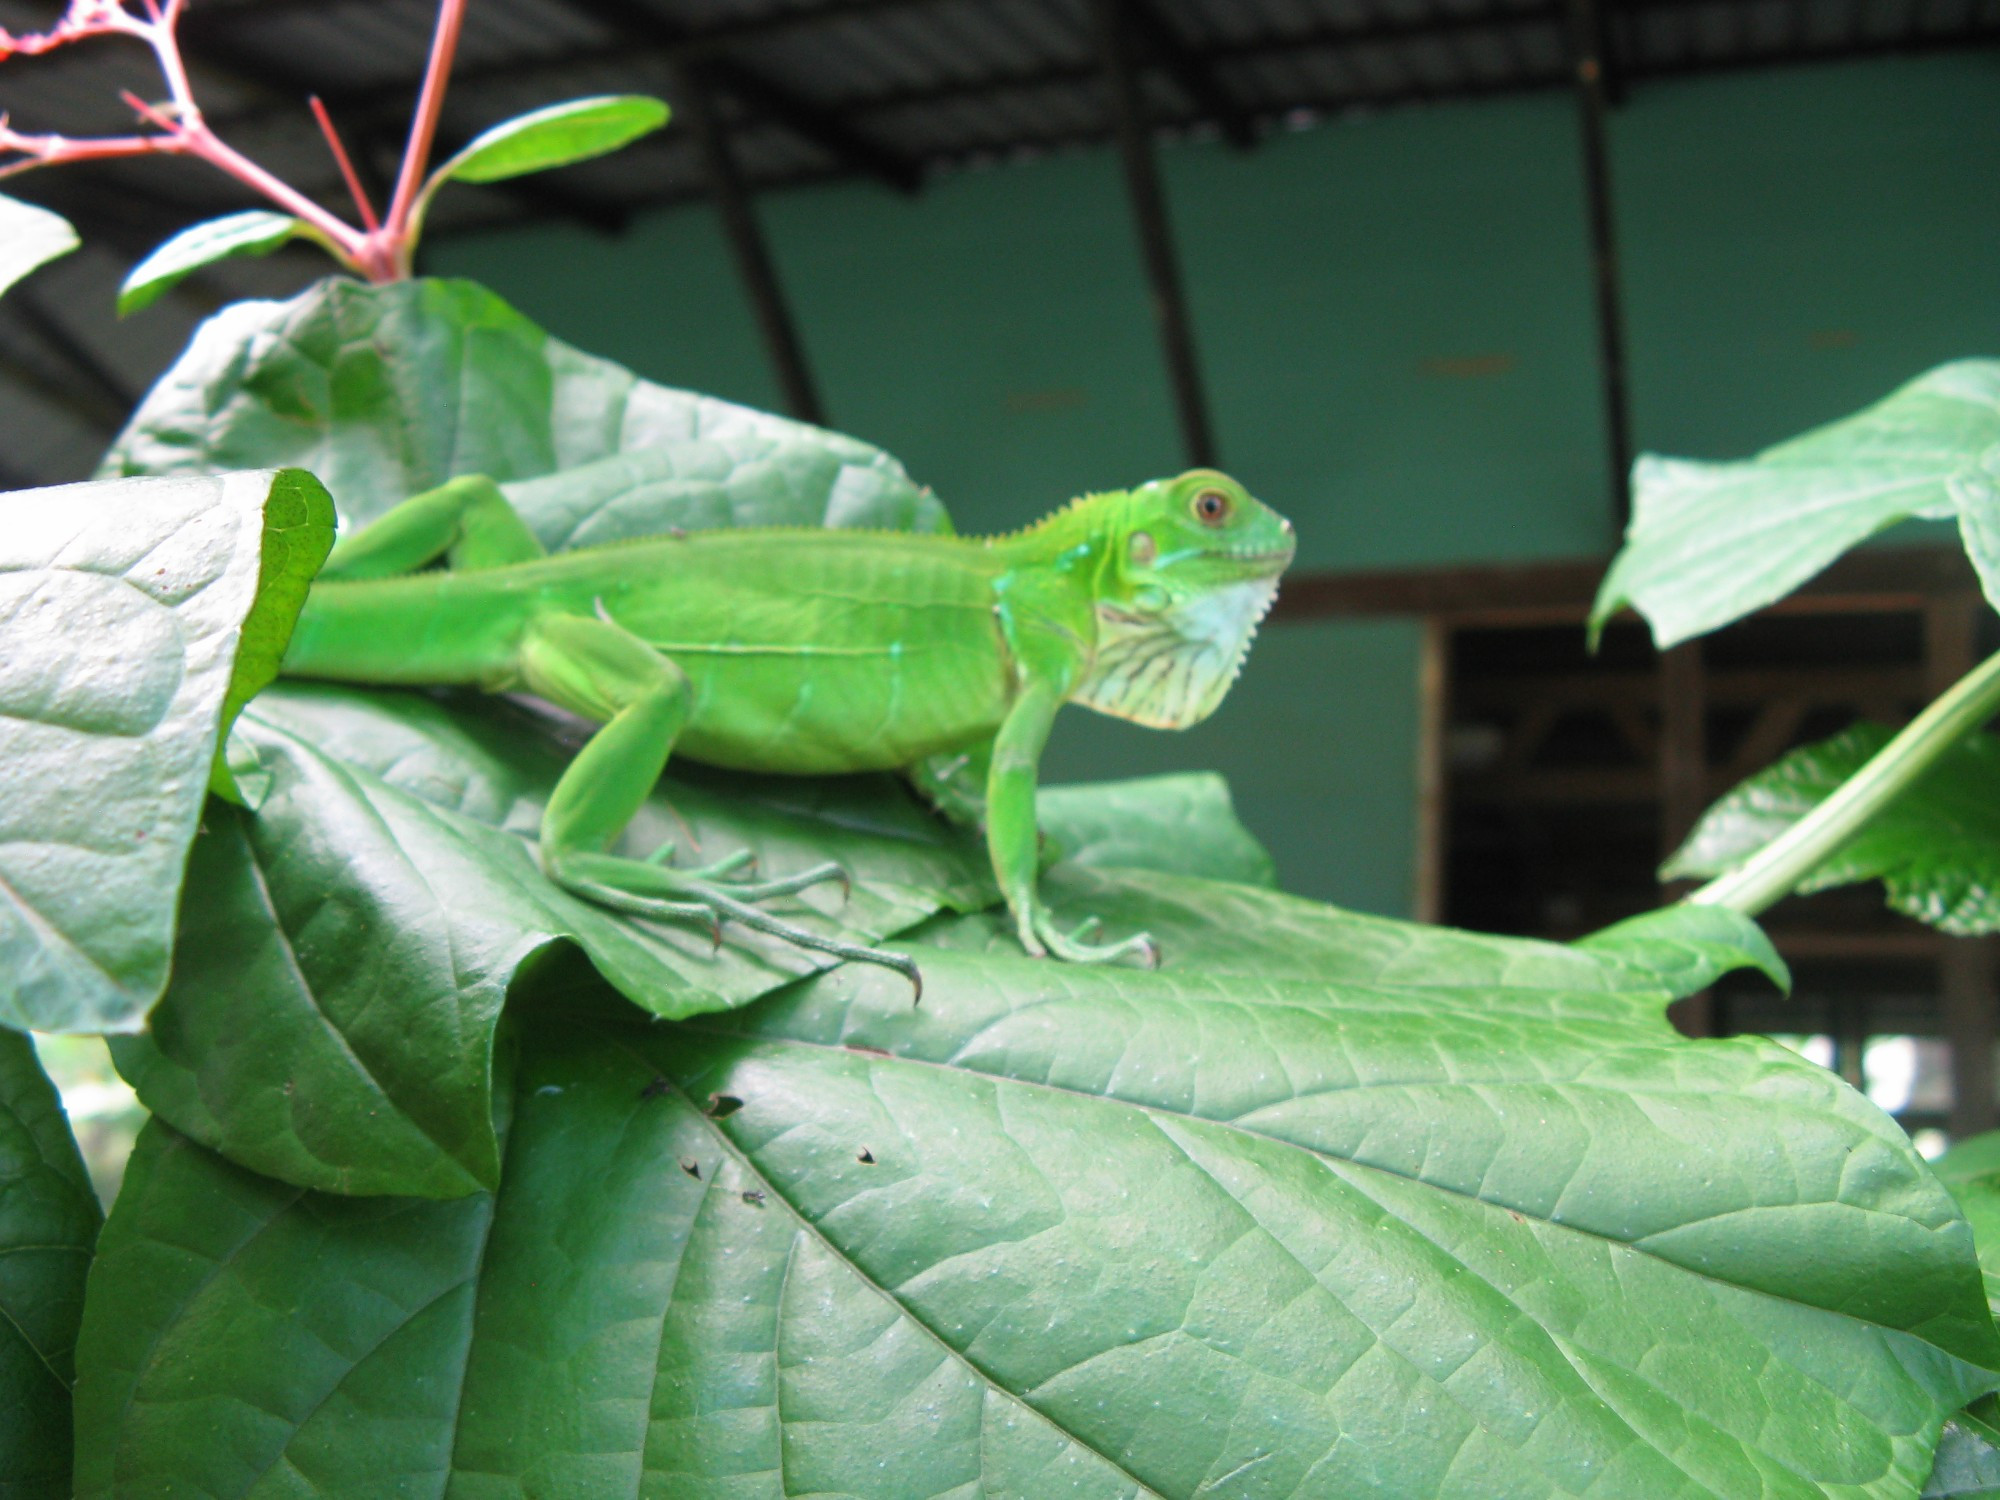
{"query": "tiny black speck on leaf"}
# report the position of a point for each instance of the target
(721, 1106)
(865, 1157)
(754, 1198)
(692, 1168)
(655, 1089)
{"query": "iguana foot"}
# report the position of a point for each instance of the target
(1043, 938)
(646, 888)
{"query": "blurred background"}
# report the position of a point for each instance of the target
(1423, 273)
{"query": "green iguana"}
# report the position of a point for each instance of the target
(810, 651)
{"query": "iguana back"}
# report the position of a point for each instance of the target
(806, 650)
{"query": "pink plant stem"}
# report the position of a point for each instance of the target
(353, 178)
(423, 125)
(380, 250)
(212, 149)
(204, 143)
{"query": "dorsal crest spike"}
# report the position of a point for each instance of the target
(1055, 517)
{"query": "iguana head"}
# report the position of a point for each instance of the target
(1192, 567)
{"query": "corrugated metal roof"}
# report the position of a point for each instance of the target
(929, 83)
(813, 89)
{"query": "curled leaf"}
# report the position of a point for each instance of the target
(257, 232)
(136, 617)
(1711, 542)
(30, 237)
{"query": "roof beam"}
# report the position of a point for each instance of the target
(821, 127)
(1192, 72)
(1149, 212)
(1339, 34)
(1345, 35)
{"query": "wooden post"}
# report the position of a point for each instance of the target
(747, 247)
(1149, 210)
(1587, 46)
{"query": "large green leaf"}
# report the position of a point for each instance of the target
(1687, 948)
(344, 953)
(1183, 824)
(1711, 542)
(1420, 1214)
(135, 618)
(1936, 847)
(30, 237)
(48, 1224)
(1971, 1169)
(257, 232)
(387, 391)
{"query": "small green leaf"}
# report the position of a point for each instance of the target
(1711, 542)
(1687, 948)
(1936, 847)
(48, 1225)
(257, 232)
(555, 136)
(30, 237)
(1183, 824)
(135, 617)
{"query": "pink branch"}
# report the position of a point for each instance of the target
(353, 178)
(49, 150)
(423, 125)
(84, 18)
(380, 250)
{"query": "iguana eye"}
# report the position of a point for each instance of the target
(1211, 507)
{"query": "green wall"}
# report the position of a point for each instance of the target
(1395, 325)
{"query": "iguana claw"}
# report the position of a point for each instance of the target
(1049, 940)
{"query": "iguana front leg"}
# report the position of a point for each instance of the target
(1013, 842)
(597, 669)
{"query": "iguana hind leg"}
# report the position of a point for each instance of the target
(954, 783)
(596, 668)
(468, 522)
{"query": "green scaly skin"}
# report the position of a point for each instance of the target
(810, 651)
